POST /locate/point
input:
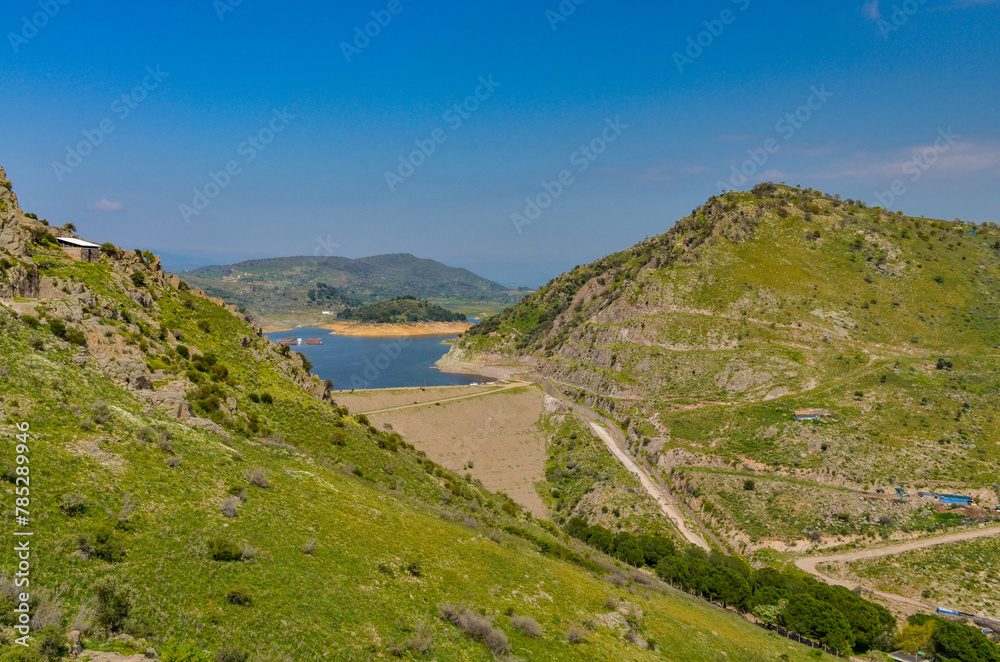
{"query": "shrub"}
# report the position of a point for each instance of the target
(527, 625)
(258, 476)
(52, 644)
(204, 326)
(476, 625)
(138, 279)
(231, 655)
(749, 485)
(101, 413)
(183, 351)
(73, 505)
(415, 569)
(240, 597)
(185, 652)
(113, 601)
(101, 544)
(309, 547)
(266, 398)
(173, 462)
(76, 337)
(107, 248)
(58, 328)
(224, 549)
(576, 635)
(228, 507)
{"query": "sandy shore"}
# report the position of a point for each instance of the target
(348, 328)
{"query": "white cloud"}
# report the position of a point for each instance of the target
(106, 205)
(963, 158)
(871, 10)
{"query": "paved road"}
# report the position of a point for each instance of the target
(809, 563)
(666, 504)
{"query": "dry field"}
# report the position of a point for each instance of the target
(498, 434)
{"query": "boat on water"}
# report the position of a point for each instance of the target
(290, 341)
(314, 341)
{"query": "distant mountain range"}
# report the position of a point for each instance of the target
(300, 288)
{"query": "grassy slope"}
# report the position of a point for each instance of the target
(694, 336)
(337, 604)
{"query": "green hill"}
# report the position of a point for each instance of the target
(300, 288)
(702, 342)
(403, 310)
(190, 484)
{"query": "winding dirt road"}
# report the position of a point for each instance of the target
(809, 563)
(666, 504)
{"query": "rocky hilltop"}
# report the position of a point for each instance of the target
(704, 341)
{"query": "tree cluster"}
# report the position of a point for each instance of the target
(830, 615)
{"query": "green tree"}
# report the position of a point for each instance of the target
(818, 620)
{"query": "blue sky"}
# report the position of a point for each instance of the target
(308, 127)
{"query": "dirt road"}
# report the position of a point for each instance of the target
(480, 394)
(666, 504)
(809, 563)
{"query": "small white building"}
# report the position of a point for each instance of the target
(80, 250)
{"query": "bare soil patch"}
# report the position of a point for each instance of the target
(498, 433)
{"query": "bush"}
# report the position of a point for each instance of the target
(52, 644)
(183, 351)
(240, 597)
(107, 248)
(266, 398)
(476, 625)
(231, 655)
(175, 652)
(101, 544)
(224, 549)
(204, 326)
(73, 505)
(527, 625)
(576, 635)
(228, 507)
(113, 601)
(258, 476)
(309, 547)
(415, 569)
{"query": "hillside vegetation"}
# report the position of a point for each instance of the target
(401, 310)
(194, 487)
(299, 288)
(703, 341)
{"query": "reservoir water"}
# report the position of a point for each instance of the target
(364, 363)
